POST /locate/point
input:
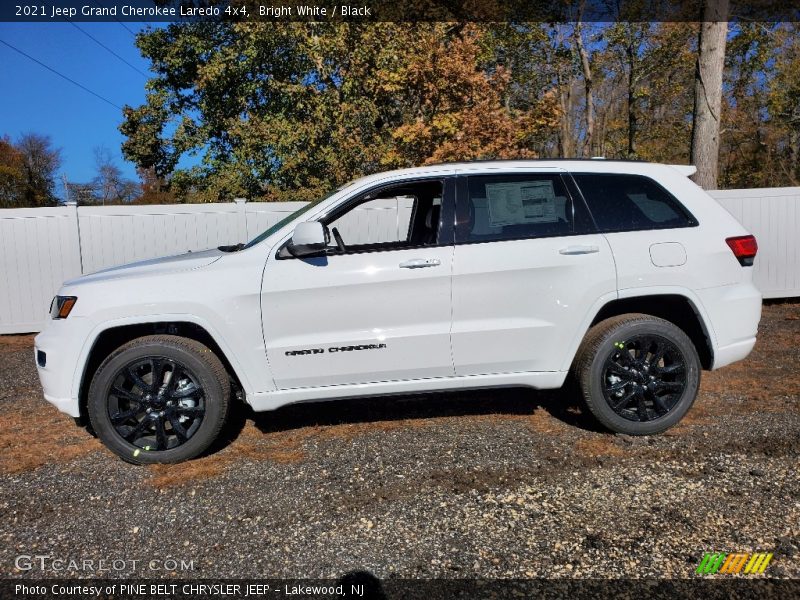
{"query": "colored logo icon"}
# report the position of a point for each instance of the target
(720, 562)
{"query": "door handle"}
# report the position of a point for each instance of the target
(579, 250)
(420, 263)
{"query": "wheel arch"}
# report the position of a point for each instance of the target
(676, 308)
(113, 335)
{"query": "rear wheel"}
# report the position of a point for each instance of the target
(159, 399)
(638, 374)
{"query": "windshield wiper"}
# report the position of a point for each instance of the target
(233, 248)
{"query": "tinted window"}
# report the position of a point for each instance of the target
(627, 202)
(507, 207)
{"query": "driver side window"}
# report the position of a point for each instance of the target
(401, 216)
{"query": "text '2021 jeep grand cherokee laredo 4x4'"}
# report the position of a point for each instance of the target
(465, 275)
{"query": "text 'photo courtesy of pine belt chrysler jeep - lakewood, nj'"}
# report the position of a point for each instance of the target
(625, 278)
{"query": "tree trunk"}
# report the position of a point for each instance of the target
(587, 83)
(565, 145)
(708, 93)
(794, 155)
(632, 120)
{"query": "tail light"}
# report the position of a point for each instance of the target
(744, 248)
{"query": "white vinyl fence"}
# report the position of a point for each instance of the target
(42, 247)
(773, 216)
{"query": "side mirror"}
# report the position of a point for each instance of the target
(309, 239)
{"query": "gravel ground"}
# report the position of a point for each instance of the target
(508, 483)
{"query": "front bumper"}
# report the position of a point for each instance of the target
(62, 341)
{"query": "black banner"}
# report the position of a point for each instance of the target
(364, 585)
(243, 11)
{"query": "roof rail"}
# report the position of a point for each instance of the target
(483, 160)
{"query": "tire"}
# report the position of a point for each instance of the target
(173, 421)
(624, 387)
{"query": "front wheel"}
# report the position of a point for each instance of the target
(638, 374)
(159, 399)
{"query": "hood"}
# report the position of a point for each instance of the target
(153, 266)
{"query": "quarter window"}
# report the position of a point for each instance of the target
(508, 207)
(621, 202)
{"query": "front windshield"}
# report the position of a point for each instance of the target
(268, 232)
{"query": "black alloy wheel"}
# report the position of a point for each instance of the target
(638, 374)
(159, 399)
(156, 403)
(644, 377)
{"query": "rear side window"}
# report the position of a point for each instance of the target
(509, 207)
(621, 202)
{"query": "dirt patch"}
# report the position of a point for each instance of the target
(766, 382)
(761, 385)
(163, 476)
(249, 444)
(596, 446)
(451, 481)
(30, 439)
(15, 342)
(280, 447)
(542, 422)
(283, 447)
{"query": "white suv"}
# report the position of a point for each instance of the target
(466, 275)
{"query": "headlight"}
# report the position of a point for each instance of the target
(61, 306)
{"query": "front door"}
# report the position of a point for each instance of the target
(375, 308)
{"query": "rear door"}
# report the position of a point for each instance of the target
(528, 267)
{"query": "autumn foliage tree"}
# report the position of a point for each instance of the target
(455, 111)
(288, 111)
(27, 171)
(12, 174)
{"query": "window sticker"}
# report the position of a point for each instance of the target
(522, 202)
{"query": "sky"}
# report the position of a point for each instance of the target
(34, 99)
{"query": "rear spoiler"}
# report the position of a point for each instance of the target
(686, 170)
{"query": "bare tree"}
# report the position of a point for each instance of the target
(109, 184)
(40, 163)
(708, 93)
(560, 61)
(587, 83)
(633, 76)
